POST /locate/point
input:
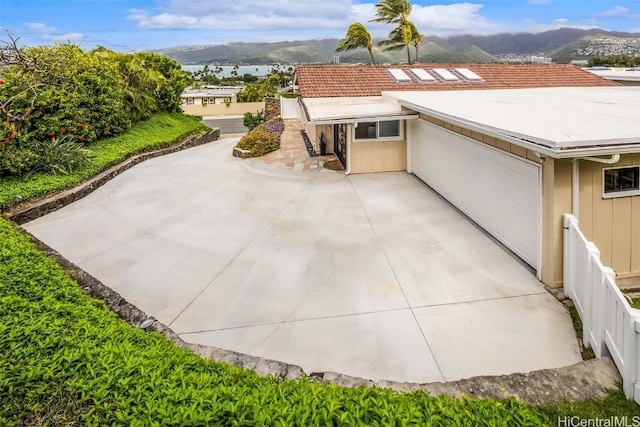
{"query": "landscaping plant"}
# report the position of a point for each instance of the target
(263, 139)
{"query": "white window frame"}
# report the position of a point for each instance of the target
(190, 101)
(622, 193)
(400, 137)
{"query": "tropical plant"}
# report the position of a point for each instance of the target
(61, 155)
(47, 89)
(357, 37)
(252, 121)
(396, 12)
(416, 40)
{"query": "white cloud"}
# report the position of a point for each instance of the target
(40, 27)
(536, 27)
(244, 14)
(619, 12)
(283, 15)
(450, 18)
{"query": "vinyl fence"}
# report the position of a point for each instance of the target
(610, 325)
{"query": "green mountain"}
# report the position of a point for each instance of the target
(314, 51)
(563, 45)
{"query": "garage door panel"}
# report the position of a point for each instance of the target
(496, 190)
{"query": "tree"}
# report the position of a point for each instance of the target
(416, 40)
(396, 12)
(357, 36)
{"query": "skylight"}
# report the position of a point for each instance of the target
(468, 74)
(422, 75)
(398, 75)
(445, 75)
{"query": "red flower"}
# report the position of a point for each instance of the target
(82, 125)
(1, 82)
(63, 131)
(83, 139)
(52, 134)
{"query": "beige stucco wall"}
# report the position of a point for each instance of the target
(234, 109)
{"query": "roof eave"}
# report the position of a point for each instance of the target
(540, 146)
(362, 119)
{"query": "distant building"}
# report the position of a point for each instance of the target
(210, 95)
(624, 76)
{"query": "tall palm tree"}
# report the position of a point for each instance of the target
(396, 12)
(416, 40)
(357, 36)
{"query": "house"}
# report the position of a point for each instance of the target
(628, 76)
(514, 147)
(210, 95)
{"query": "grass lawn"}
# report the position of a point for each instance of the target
(66, 359)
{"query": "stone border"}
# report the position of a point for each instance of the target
(24, 212)
(590, 379)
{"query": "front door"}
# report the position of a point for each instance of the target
(340, 143)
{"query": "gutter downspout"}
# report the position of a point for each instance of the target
(575, 187)
(575, 178)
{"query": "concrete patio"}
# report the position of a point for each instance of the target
(367, 275)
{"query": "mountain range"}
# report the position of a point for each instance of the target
(562, 45)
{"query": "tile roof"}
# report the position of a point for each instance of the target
(370, 80)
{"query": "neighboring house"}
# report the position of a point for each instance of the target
(628, 76)
(213, 95)
(512, 146)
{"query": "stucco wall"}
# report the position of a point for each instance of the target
(234, 109)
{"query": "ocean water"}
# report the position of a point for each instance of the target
(256, 70)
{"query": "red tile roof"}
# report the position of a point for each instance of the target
(317, 81)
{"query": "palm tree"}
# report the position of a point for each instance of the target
(357, 36)
(396, 12)
(416, 40)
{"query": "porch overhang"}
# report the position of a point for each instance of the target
(327, 111)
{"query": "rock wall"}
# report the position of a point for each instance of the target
(271, 108)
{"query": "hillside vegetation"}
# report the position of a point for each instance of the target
(563, 44)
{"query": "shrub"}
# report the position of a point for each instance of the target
(60, 155)
(263, 139)
(252, 121)
(15, 160)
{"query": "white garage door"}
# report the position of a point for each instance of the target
(498, 191)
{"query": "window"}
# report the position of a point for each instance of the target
(189, 101)
(379, 130)
(620, 182)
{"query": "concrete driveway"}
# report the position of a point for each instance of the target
(367, 275)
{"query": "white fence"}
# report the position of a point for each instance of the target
(610, 325)
(289, 108)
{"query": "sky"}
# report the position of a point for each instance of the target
(128, 25)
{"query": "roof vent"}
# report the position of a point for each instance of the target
(398, 75)
(468, 74)
(422, 75)
(445, 75)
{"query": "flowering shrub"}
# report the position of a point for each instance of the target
(263, 139)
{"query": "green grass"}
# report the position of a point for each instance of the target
(66, 359)
(635, 303)
(159, 131)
